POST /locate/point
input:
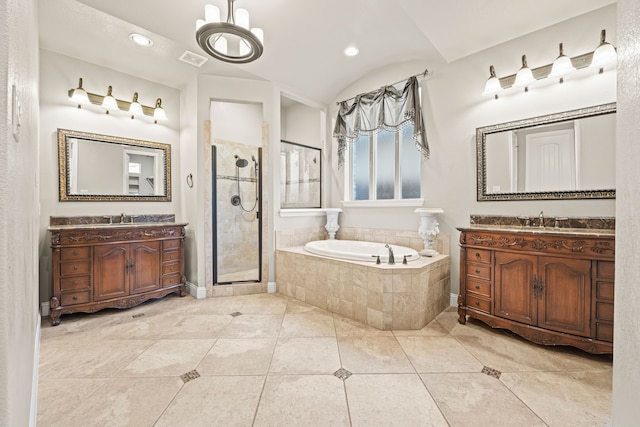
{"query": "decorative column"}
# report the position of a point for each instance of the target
(332, 221)
(428, 229)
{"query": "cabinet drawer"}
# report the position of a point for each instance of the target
(171, 279)
(74, 283)
(74, 253)
(70, 268)
(479, 255)
(479, 271)
(478, 303)
(604, 311)
(171, 244)
(169, 268)
(478, 287)
(604, 290)
(604, 332)
(170, 256)
(606, 269)
(70, 298)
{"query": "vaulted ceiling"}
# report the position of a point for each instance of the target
(304, 39)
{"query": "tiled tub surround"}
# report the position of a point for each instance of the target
(382, 296)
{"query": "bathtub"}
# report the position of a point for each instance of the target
(360, 251)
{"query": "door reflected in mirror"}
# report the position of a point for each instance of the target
(103, 168)
(567, 155)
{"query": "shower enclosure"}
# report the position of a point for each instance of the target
(237, 225)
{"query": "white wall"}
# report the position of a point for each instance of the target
(626, 369)
(19, 180)
(454, 107)
(58, 74)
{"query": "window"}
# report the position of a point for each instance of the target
(384, 166)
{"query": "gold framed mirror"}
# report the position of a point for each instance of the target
(104, 168)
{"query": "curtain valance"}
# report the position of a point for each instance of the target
(386, 108)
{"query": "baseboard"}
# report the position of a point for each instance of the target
(196, 291)
(45, 309)
(453, 301)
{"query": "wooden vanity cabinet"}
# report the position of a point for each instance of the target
(550, 288)
(115, 266)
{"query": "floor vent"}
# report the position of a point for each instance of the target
(342, 373)
(189, 376)
(236, 314)
(135, 316)
(491, 372)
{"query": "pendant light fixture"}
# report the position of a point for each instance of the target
(231, 41)
(562, 66)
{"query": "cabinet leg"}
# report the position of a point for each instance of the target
(462, 312)
(183, 288)
(55, 318)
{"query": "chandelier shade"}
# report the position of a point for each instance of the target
(231, 41)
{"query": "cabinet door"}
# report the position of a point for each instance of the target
(110, 279)
(565, 299)
(514, 287)
(145, 273)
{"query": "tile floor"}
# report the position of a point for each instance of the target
(186, 362)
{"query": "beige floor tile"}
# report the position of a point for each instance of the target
(478, 400)
(317, 355)
(439, 354)
(126, 402)
(144, 328)
(302, 400)
(563, 399)
(297, 307)
(391, 400)
(352, 328)
(264, 304)
(58, 397)
(238, 356)
(311, 324)
(373, 355)
(432, 329)
(219, 305)
(253, 326)
(198, 326)
(214, 401)
(168, 358)
(448, 318)
(62, 359)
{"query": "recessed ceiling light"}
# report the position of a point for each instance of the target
(351, 51)
(140, 40)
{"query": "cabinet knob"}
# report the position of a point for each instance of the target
(478, 271)
(477, 304)
(477, 287)
(478, 255)
(75, 282)
(75, 253)
(171, 256)
(75, 298)
(75, 267)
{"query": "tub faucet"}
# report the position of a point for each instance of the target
(392, 260)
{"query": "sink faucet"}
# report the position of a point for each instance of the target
(541, 217)
(392, 260)
(122, 217)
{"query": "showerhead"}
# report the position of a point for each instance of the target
(241, 162)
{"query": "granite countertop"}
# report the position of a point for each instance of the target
(106, 226)
(593, 232)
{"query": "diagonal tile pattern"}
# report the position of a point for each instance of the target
(285, 363)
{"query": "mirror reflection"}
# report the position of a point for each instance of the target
(564, 155)
(101, 168)
(300, 176)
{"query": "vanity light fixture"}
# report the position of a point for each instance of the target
(231, 41)
(562, 66)
(109, 102)
(81, 97)
(603, 56)
(135, 109)
(524, 76)
(492, 87)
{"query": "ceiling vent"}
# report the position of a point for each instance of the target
(193, 58)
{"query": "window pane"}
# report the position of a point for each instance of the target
(409, 165)
(360, 168)
(385, 165)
